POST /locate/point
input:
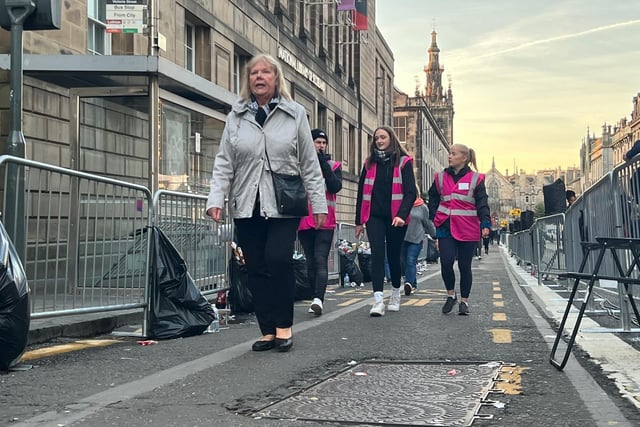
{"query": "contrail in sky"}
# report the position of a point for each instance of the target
(563, 37)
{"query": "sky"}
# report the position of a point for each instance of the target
(529, 79)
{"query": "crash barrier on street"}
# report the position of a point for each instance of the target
(560, 244)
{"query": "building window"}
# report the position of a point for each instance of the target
(189, 46)
(400, 128)
(98, 40)
(239, 61)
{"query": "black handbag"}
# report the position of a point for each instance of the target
(291, 197)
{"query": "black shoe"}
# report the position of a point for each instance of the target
(262, 345)
(463, 309)
(284, 344)
(407, 288)
(448, 305)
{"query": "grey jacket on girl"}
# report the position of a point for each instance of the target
(241, 168)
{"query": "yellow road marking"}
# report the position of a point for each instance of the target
(496, 289)
(410, 302)
(65, 348)
(497, 296)
(513, 379)
(349, 302)
(498, 303)
(495, 283)
(501, 336)
(499, 317)
(422, 302)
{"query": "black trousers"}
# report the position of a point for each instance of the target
(267, 245)
(316, 245)
(385, 238)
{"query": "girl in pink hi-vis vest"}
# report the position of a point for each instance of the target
(386, 193)
(459, 209)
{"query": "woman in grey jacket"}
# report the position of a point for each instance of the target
(266, 121)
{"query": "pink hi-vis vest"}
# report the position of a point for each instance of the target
(397, 192)
(307, 223)
(458, 203)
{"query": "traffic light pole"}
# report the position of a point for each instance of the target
(14, 214)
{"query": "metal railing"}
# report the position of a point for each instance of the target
(85, 249)
(555, 244)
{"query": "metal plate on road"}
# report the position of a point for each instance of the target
(394, 393)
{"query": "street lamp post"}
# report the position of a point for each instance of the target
(18, 11)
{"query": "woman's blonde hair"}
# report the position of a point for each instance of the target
(471, 155)
(281, 84)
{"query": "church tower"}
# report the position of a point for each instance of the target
(440, 103)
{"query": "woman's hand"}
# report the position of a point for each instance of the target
(319, 219)
(397, 222)
(215, 214)
(359, 231)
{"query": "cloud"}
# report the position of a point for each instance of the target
(559, 38)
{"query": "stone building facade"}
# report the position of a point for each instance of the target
(417, 129)
(149, 108)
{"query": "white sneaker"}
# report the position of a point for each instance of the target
(377, 309)
(394, 302)
(316, 307)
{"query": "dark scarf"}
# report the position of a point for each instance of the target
(262, 112)
(381, 156)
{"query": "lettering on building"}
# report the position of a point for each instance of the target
(288, 58)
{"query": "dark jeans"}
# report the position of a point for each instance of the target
(449, 249)
(411, 252)
(380, 230)
(316, 245)
(268, 246)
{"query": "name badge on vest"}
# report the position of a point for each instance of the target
(463, 185)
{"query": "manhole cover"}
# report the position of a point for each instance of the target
(394, 393)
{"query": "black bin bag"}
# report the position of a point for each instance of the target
(304, 290)
(240, 298)
(14, 304)
(178, 308)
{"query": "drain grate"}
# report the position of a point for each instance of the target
(394, 393)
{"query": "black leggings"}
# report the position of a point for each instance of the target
(380, 231)
(316, 245)
(451, 248)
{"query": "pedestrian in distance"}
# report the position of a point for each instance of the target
(316, 241)
(418, 227)
(266, 131)
(386, 192)
(459, 209)
(571, 197)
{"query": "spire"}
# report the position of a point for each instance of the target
(493, 163)
(433, 71)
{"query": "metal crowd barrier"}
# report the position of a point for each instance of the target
(85, 246)
(555, 244)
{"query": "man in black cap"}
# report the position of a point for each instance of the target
(316, 242)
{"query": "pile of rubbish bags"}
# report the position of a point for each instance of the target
(355, 263)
